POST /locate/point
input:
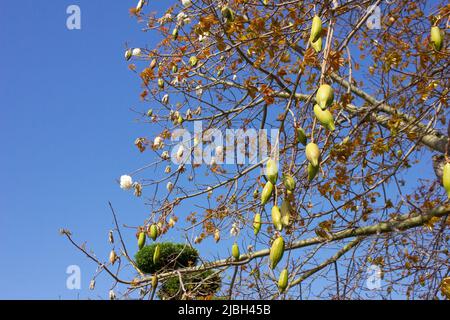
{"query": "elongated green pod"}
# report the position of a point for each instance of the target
(289, 182)
(156, 254)
(446, 178)
(283, 280)
(285, 213)
(325, 96)
(325, 117)
(266, 193)
(301, 136)
(436, 38)
(161, 83)
(317, 45)
(235, 251)
(276, 252)
(257, 223)
(312, 171)
(141, 240)
(153, 233)
(316, 29)
(276, 218)
(312, 153)
(272, 171)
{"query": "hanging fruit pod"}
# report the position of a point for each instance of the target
(156, 254)
(257, 223)
(141, 240)
(312, 153)
(266, 193)
(301, 136)
(174, 68)
(446, 178)
(312, 171)
(276, 252)
(112, 257)
(153, 232)
(289, 182)
(436, 38)
(325, 117)
(193, 61)
(235, 251)
(272, 171)
(285, 213)
(325, 96)
(283, 280)
(276, 218)
(317, 45)
(316, 29)
(175, 34)
(217, 235)
(161, 83)
(227, 14)
(128, 54)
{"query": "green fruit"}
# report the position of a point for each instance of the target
(128, 54)
(436, 38)
(283, 280)
(325, 96)
(156, 254)
(285, 213)
(325, 117)
(316, 29)
(180, 119)
(317, 45)
(446, 178)
(272, 171)
(175, 33)
(276, 218)
(141, 240)
(312, 171)
(235, 251)
(276, 252)
(228, 14)
(193, 61)
(266, 193)
(161, 83)
(153, 232)
(289, 182)
(312, 153)
(174, 68)
(257, 223)
(301, 136)
(150, 112)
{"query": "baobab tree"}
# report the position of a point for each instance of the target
(351, 198)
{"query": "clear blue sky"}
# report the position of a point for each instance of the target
(66, 134)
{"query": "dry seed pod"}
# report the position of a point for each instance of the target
(141, 240)
(301, 136)
(325, 96)
(156, 254)
(316, 29)
(312, 153)
(153, 233)
(283, 280)
(112, 257)
(289, 182)
(446, 178)
(436, 38)
(272, 171)
(266, 193)
(256, 223)
(111, 236)
(175, 34)
(235, 251)
(276, 218)
(325, 117)
(317, 45)
(139, 5)
(312, 171)
(153, 64)
(276, 252)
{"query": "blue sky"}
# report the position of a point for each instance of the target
(66, 133)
